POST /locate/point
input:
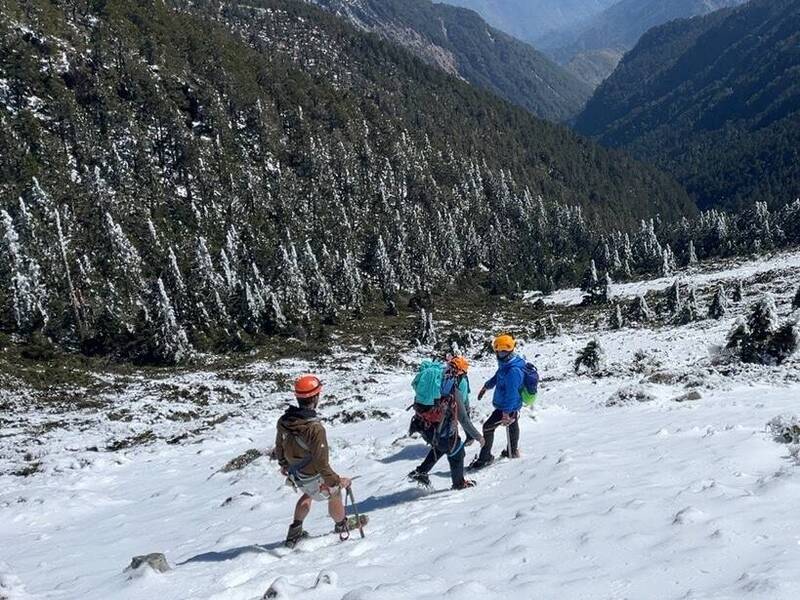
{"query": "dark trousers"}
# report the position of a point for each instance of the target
(456, 461)
(492, 423)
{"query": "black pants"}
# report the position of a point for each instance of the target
(492, 423)
(456, 461)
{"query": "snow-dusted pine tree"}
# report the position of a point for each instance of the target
(738, 336)
(719, 306)
(617, 320)
(590, 279)
(591, 359)
(598, 290)
(690, 310)
(387, 280)
(640, 311)
(427, 329)
(170, 344)
(275, 321)
(691, 258)
(674, 297)
(291, 286)
(784, 342)
(667, 262)
(763, 319)
(738, 291)
(752, 338)
(320, 293)
(29, 295)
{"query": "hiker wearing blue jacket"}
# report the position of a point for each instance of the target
(507, 384)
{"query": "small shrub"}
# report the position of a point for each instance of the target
(629, 394)
(785, 429)
(591, 359)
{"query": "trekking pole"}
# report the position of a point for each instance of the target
(352, 498)
(508, 441)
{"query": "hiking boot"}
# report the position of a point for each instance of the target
(467, 483)
(514, 454)
(479, 463)
(296, 533)
(420, 477)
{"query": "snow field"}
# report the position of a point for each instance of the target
(658, 499)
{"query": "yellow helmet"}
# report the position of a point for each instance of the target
(504, 343)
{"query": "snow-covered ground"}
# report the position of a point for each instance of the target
(655, 499)
(703, 275)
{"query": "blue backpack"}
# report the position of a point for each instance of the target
(530, 384)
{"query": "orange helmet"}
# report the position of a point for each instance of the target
(504, 343)
(460, 363)
(307, 386)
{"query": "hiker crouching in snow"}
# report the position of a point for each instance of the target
(301, 448)
(438, 424)
(507, 383)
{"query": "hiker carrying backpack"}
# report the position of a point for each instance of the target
(515, 383)
(437, 419)
(301, 448)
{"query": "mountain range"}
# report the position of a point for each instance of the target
(588, 37)
(715, 100)
(461, 43)
(530, 20)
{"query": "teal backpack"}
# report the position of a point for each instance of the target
(427, 383)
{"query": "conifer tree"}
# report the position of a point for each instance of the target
(784, 342)
(292, 287)
(590, 359)
(617, 320)
(667, 262)
(796, 301)
(690, 310)
(739, 335)
(590, 279)
(170, 343)
(640, 311)
(719, 304)
(674, 300)
(320, 293)
(692, 254)
(738, 291)
(387, 279)
(29, 295)
(427, 329)
(763, 319)
(208, 309)
(275, 321)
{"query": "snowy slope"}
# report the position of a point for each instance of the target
(738, 268)
(656, 499)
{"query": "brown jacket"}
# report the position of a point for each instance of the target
(301, 437)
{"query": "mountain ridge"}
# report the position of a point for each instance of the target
(714, 100)
(461, 43)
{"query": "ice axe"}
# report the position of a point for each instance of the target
(349, 496)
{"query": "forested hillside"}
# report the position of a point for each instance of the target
(592, 48)
(715, 100)
(197, 175)
(461, 43)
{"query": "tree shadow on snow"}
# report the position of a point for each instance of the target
(232, 553)
(416, 452)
